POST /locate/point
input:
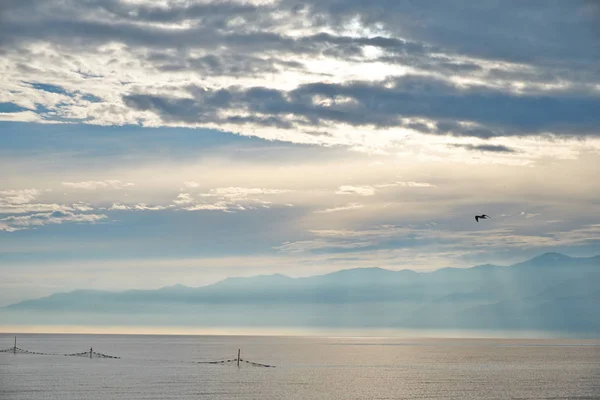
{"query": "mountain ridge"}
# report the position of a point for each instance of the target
(518, 296)
(335, 274)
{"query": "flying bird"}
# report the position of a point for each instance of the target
(482, 216)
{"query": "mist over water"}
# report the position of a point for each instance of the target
(163, 367)
(551, 292)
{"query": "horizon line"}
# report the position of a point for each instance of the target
(365, 333)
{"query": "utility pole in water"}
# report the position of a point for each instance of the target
(15, 348)
(238, 360)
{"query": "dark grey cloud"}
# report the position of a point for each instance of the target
(248, 48)
(558, 34)
(576, 79)
(482, 112)
(231, 49)
(205, 110)
(510, 30)
(170, 109)
(439, 64)
(556, 41)
(215, 14)
(235, 65)
(101, 21)
(558, 37)
(241, 63)
(495, 148)
(392, 45)
(179, 12)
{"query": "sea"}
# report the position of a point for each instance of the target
(337, 368)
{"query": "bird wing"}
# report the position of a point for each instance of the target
(477, 218)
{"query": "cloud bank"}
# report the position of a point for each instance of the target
(354, 73)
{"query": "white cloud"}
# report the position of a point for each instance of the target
(321, 244)
(23, 116)
(136, 207)
(406, 184)
(357, 190)
(228, 199)
(36, 208)
(529, 215)
(146, 207)
(83, 207)
(241, 192)
(119, 207)
(14, 223)
(351, 206)
(218, 206)
(191, 184)
(20, 201)
(93, 185)
(18, 196)
(183, 198)
(427, 242)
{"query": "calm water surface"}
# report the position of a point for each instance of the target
(163, 367)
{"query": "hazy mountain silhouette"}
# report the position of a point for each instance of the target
(549, 292)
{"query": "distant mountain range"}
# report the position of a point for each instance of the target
(551, 292)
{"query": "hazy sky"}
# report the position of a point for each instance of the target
(147, 143)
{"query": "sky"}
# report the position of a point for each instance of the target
(149, 143)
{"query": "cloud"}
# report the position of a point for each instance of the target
(350, 206)
(473, 111)
(241, 192)
(146, 207)
(218, 206)
(496, 148)
(183, 198)
(18, 197)
(406, 184)
(529, 215)
(119, 207)
(23, 116)
(321, 245)
(500, 30)
(39, 207)
(191, 184)
(136, 207)
(15, 223)
(228, 199)
(356, 190)
(320, 73)
(93, 185)
(424, 239)
(83, 207)
(223, 65)
(20, 201)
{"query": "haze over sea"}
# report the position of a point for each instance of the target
(163, 367)
(180, 179)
